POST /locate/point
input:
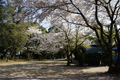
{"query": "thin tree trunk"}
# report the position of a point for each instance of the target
(68, 57)
(71, 58)
(68, 60)
(13, 55)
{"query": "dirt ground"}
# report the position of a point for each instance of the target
(52, 70)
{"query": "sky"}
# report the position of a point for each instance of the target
(45, 24)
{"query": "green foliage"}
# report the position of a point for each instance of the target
(79, 53)
(42, 55)
(44, 31)
(94, 38)
(6, 12)
(2, 11)
(33, 24)
(106, 55)
(19, 35)
(61, 54)
(13, 37)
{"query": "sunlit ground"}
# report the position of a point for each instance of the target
(52, 70)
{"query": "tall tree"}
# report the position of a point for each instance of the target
(67, 31)
(12, 35)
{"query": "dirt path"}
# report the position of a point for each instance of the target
(52, 70)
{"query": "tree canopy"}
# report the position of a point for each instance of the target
(12, 35)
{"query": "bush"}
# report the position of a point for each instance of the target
(61, 54)
(79, 54)
(28, 55)
(93, 59)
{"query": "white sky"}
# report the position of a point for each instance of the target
(45, 24)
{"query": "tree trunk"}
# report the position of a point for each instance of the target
(68, 60)
(71, 58)
(111, 64)
(68, 57)
(7, 59)
(6, 56)
(13, 55)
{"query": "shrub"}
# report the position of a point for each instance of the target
(93, 59)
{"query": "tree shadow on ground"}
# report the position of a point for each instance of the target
(88, 76)
(51, 70)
